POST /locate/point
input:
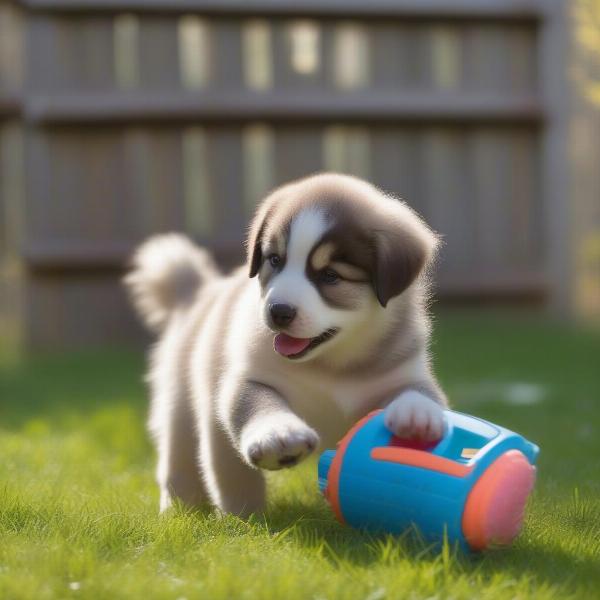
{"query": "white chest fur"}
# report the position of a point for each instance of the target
(332, 404)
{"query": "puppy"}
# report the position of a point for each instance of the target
(326, 322)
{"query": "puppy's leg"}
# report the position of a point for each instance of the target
(173, 427)
(265, 431)
(417, 412)
(177, 472)
(233, 486)
(254, 427)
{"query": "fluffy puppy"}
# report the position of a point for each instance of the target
(326, 322)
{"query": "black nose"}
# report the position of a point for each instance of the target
(282, 314)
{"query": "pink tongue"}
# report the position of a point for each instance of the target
(287, 345)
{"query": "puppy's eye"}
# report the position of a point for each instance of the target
(274, 260)
(329, 276)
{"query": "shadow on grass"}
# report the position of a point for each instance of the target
(543, 563)
(317, 529)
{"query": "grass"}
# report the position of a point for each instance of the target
(78, 502)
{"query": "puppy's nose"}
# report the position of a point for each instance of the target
(282, 314)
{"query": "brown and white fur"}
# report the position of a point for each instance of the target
(352, 264)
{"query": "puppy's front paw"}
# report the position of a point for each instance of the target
(279, 441)
(414, 415)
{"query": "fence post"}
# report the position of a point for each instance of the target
(11, 179)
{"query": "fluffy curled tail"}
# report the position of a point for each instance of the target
(167, 273)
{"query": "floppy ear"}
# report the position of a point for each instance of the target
(254, 250)
(255, 235)
(400, 256)
(258, 227)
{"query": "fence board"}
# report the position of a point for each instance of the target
(396, 55)
(525, 207)
(299, 152)
(400, 174)
(200, 213)
(159, 54)
(226, 168)
(11, 47)
(447, 198)
(298, 54)
(373, 106)
(228, 70)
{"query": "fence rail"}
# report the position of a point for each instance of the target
(439, 10)
(407, 107)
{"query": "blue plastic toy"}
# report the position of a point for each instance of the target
(472, 485)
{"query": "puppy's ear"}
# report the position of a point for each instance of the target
(255, 235)
(259, 225)
(254, 249)
(401, 253)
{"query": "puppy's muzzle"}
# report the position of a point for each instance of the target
(281, 314)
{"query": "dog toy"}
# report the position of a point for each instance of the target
(471, 486)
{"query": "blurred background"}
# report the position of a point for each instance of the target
(122, 118)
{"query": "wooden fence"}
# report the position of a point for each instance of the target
(124, 118)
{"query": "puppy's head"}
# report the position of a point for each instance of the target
(330, 253)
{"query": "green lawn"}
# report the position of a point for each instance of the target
(78, 505)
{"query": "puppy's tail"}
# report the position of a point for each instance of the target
(168, 271)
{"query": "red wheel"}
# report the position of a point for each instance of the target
(495, 506)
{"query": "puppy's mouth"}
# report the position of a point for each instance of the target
(292, 347)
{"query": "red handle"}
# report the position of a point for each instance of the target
(418, 458)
